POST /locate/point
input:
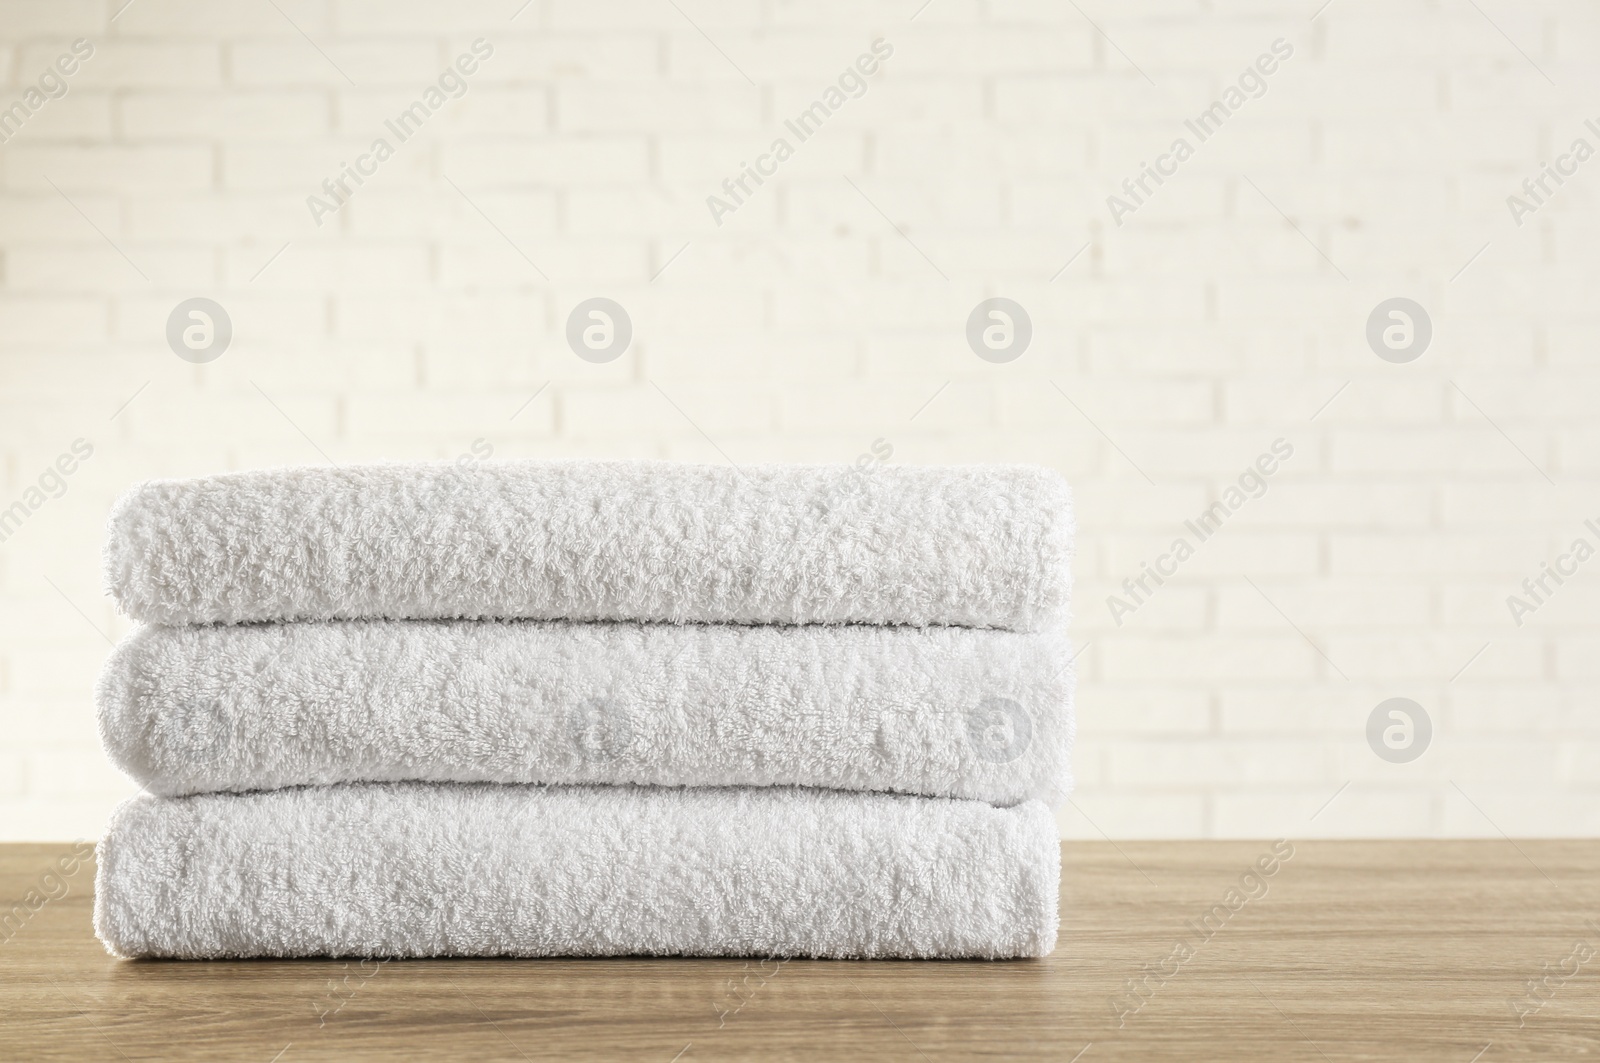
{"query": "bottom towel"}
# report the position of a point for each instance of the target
(417, 869)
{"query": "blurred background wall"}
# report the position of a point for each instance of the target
(1223, 304)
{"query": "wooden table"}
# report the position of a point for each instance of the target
(1349, 951)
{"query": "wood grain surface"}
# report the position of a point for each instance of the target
(1393, 950)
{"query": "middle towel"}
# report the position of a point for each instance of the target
(941, 711)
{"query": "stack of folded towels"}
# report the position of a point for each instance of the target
(589, 708)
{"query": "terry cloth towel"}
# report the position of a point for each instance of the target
(978, 545)
(413, 869)
(941, 711)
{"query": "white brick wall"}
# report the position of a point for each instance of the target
(1174, 349)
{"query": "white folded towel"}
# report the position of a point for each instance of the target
(410, 870)
(940, 711)
(980, 545)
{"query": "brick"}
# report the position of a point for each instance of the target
(256, 315)
(84, 114)
(223, 213)
(396, 317)
(495, 260)
(299, 171)
(1098, 812)
(388, 214)
(52, 320)
(1419, 553)
(128, 64)
(625, 54)
(463, 417)
(1360, 811)
(1438, 657)
(623, 16)
(89, 269)
(50, 18)
(405, 65)
(1494, 810)
(98, 168)
(1235, 660)
(1318, 608)
(604, 108)
(246, 115)
(589, 160)
(1173, 608)
(317, 267)
(375, 16)
(1188, 762)
(200, 18)
(709, 159)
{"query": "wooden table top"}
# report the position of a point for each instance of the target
(1455, 951)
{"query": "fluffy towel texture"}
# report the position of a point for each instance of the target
(950, 712)
(412, 870)
(979, 546)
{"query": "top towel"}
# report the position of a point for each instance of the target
(975, 546)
